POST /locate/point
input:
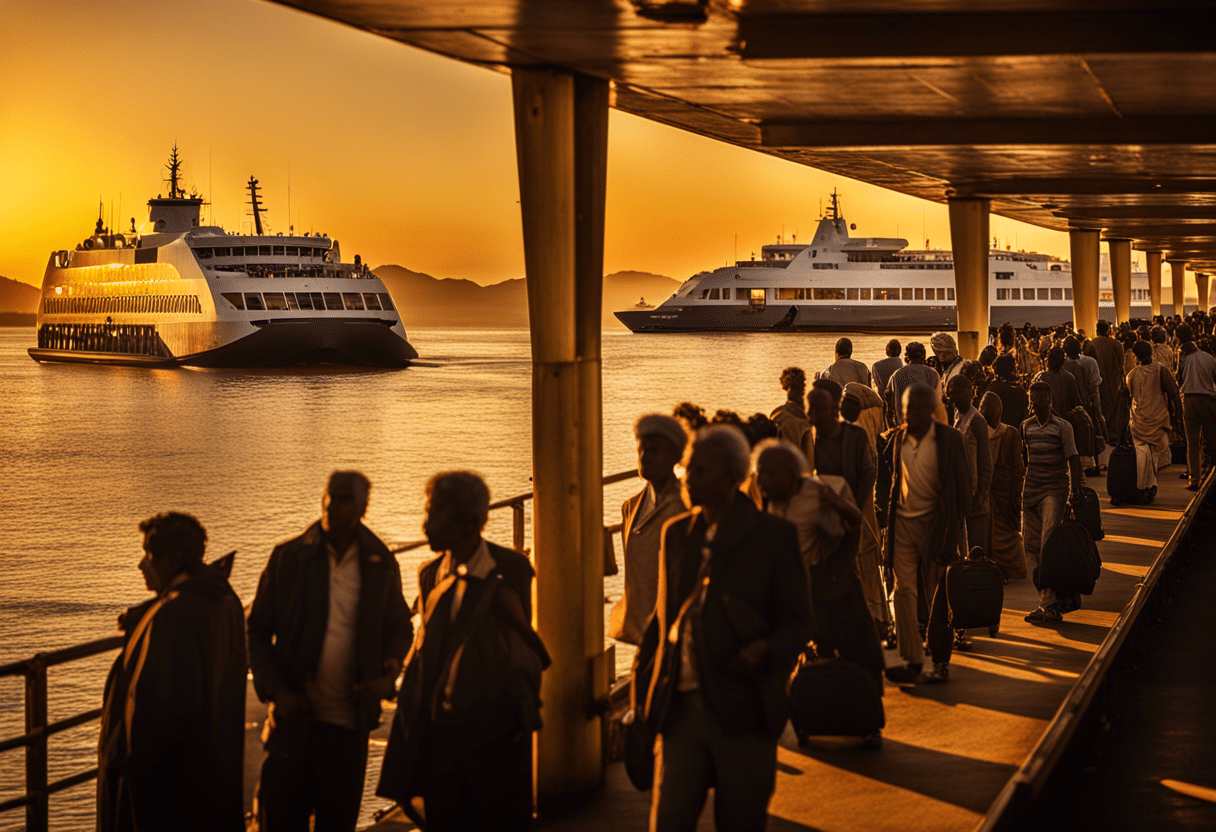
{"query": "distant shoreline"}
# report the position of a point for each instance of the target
(17, 319)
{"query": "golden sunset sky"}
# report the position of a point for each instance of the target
(403, 156)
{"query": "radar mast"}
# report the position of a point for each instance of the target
(257, 208)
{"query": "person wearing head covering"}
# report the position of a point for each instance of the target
(661, 442)
(946, 359)
(1004, 543)
(1153, 388)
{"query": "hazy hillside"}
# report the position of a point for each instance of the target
(424, 300)
(16, 296)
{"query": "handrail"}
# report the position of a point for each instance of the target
(37, 730)
(1029, 780)
(516, 504)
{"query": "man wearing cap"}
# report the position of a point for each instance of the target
(661, 441)
(946, 361)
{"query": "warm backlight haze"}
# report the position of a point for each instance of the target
(403, 156)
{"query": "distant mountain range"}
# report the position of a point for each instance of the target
(16, 296)
(423, 300)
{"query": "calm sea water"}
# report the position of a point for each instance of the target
(88, 452)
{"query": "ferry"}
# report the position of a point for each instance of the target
(177, 293)
(840, 283)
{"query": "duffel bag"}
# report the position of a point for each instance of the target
(1069, 561)
(834, 698)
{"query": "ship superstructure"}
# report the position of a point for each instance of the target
(868, 284)
(195, 295)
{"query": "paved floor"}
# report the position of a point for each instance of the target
(949, 749)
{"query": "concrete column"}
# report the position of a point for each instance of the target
(1083, 244)
(969, 240)
(1178, 276)
(561, 130)
(1201, 286)
(1153, 260)
(1121, 278)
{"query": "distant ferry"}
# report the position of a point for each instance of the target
(185, 294)
(868, 284)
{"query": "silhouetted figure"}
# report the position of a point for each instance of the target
(470, 699)
(1154, 392)
(1004, 543)
(733, 613)
(845, 370)
(328, 630)
(792, 424)
(916, 371)
(883, 368)
(1197, 382)
(173, 722)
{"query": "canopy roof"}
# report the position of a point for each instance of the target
(1095, 114)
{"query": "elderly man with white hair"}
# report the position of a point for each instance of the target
(661, 442)
(731, 618)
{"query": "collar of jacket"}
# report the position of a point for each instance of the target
(371, 549)
(734, 527)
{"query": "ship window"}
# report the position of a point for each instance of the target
(292, 303)
(372, 300)
(354, 300)
(920, 293)
(278, 251)
(886, 294)
(293, 251)
(950, 294)
(1105, 296)
(253, 301)
(333, 300)
(865, 293)
(250, 251)
(1057, 294)
(788, 294)
(222, 252)
(1015, 294)
(1044, 294)
(906, 292)
(386, 300)
(1068, 294)
(263, 251)
(1002, 294)
(304, 300)
(1004, 275)
(829, 294)
(852, 294)
(318, 301)
(203, 253)
(274, 300)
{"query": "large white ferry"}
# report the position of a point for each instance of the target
(869, 284)
(185, 294)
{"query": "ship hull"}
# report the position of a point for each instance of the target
(367, 343)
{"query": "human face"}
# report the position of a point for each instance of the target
(157, 572)
(822, 410)
(946, 356)
(706, 480)
(442, 526)
(777, 475)
(918, 413)
(341, 508)
(960, 393)
(657, 456)
(991, 409)
(1040, 403)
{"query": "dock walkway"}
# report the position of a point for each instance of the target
(948, 749)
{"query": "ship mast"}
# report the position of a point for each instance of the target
(175, 169)
(253, 200)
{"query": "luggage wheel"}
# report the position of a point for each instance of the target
(993, 630)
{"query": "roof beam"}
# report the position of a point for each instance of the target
(973, 34)
(973, 132)
(1111, 185)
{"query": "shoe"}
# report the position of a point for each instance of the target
(1091, 472)
(940, 673)
(1070, 603)
(1184, 475)
(961, 642)
(1193, 487)
(872, 741)
(1043, 615)
(908, 674)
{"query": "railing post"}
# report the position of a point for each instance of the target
(517, 517)
(35, 753)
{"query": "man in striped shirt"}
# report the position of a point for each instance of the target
(1053, 476)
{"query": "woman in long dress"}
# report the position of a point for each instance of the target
(1151, 387)
(1004, 544)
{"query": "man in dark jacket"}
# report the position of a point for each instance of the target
(733, 614)
(328, 630)
(462, 735)
(930, 494)
(173, 723)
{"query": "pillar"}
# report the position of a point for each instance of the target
(561, 136)
(1178, 278)
(1153, 259)
(1083, 245)
(1121, 279)
(1201, 287)
(969, 240)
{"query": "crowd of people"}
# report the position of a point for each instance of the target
(820, 531)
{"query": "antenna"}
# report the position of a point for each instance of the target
(253, 200)
(210, 192)
(289, 229)
(175, 168)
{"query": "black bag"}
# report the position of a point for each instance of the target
(975, 595)
(1069, 561)
(1089, 512)
(834, 698)
(1118, 425)
(1121, 477)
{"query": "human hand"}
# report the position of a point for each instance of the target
(289, 704)
(750, 657)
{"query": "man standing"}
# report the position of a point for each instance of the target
(845, 369)
(883, 368)
(733, 612)
(1154, 394)
(790, 417)
(1053, 478)
(1197, 381)
(173, 722)
(946, 359)
(916, 371)
(930, 492)
(1004, 543)
(470, 699)
(661, 440)
(974, 431)
(1109, 354)
(328, 630)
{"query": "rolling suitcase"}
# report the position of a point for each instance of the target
(1069, 561)
(975, 595)
(1088, 509)
(1121, 477)
(835, 698)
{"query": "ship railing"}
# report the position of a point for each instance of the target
(518, 519)
(36, 799)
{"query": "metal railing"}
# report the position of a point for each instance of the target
(37, 791)
(36, 799)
